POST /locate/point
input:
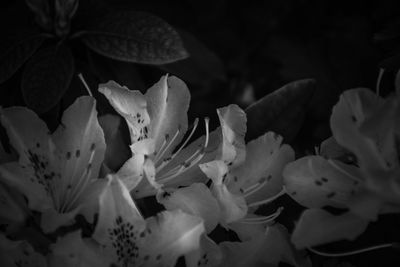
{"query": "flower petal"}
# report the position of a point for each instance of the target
(311, 230)
(80, 139)
(72, 250)
(25, 181)
(315, 182)
(167, 103)
(28, 134)
(116, 208)
(233, 207)
(233, 127)
(208, 255)
(348, 114)
(129, 104)
(195, 199)
(19, 253)
(169, 235)
(265, 160)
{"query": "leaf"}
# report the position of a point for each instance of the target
(15, 55)
(281, 111)
(46, 77)
(132, 36)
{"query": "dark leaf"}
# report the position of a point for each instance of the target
(134, 37)
(282, 111)
(203, 64)
(13, 56)
(46, 77)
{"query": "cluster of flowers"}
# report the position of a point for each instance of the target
(52, 182)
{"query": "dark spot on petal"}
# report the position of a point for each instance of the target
(77, 153)
(318, 183)
(68, 155)
(269, 178)
(324, 179)
(353, 118)
(93, 146)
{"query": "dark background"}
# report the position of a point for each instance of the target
(239, 53)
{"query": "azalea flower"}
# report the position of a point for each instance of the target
(56, 172)
(366, 126)
(157, 122)
(127, 239)
(244, 177)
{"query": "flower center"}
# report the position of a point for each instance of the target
(178, 168)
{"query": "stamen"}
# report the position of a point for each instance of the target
(354, 252)
(165, 163)
(268, 200)
(164, 147)
(378, 81)
(263, 219)
(254, 188)
(85, 84)
(189, 162)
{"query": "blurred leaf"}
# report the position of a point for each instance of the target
(202, 65)
(134, 37)
(282, 111)
(46, 77)
(12, 57)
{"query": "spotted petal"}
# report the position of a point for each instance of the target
(129, 104)
(265, 160)
(36, 156)
(73, 250)
(311, 230)
(353, 108)
(167, 103)
(195, 199)
(315, 182)
(116, 207)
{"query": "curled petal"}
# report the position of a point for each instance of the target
(129, 104)
(233, 127)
